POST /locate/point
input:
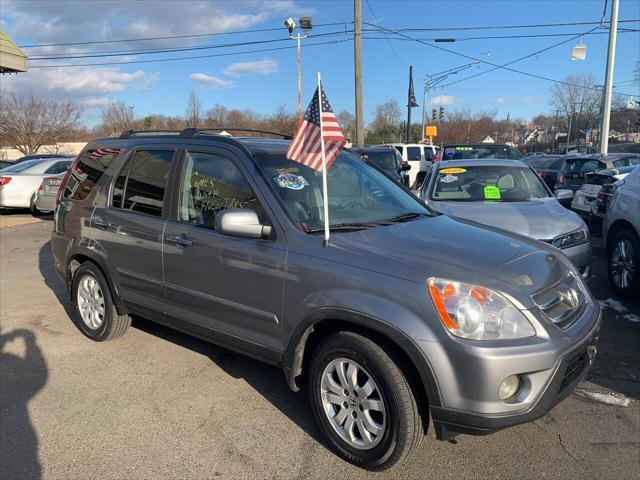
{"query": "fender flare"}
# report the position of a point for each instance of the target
(294, 355)
(101, 264)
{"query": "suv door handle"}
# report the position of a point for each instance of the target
(180, 240)
(104, 224)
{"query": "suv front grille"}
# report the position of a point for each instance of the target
(563, 302)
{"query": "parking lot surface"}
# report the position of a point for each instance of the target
(159, 404)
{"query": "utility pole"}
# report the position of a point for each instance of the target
(424, 103)
(357, 58)
(608, 79)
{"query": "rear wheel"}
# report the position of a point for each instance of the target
(97, 317)
(624, 263)
(363, 402)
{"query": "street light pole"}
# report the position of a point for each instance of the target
(299, 85)
(608, 80)
(305, 25)
(424, 102)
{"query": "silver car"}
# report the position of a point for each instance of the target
(47, 192)
(509, 195)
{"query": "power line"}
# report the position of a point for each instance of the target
(388, 42)
(453, 52)
(497, 37)
(493, 27)
(172, 37)
(161, 60)
(172, 50)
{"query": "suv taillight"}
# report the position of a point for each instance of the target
(438, 156)
(4, 180)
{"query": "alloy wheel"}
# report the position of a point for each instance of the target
(90, 302)
(623, 265)
(353, 403)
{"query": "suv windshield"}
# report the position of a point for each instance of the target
(465, 152)
(487, 183)
(580, 166)
(385, 159)
(358, 193)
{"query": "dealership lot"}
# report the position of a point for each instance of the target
(159, 403)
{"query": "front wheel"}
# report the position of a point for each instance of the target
(624, 263)
(363, 402)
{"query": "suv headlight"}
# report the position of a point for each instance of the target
(477, 313)
(571, 239)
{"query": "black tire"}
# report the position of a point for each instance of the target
(113, 325)
(629, 238)
(32, 206)
(404, 426)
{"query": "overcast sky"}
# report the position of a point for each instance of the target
(262, 81)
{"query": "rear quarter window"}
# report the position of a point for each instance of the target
(86, 172)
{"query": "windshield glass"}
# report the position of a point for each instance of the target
(22, 166)
(546, 163)
(465, 152)
(487, 183)
(580, 166)
(357, 192)
(386, 160)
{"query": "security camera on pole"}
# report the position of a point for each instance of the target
(305, 25)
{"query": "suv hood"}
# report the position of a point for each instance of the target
(456, 250)
(539, 219)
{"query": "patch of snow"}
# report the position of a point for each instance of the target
(631, 317)
(613, 304)
(616, 400)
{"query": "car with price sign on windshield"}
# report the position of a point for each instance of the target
(507, 194)
(476, 151)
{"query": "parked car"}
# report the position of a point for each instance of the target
(573, 172)
(418, 155)
(547, 167)
(43, 156)
(621, 231)
(629, 147)
(388, 159)
(507, 194)
(403, 316)
(585, 196)
(19, 183)
(48, 192)
(476, 151)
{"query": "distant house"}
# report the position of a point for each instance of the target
(12, 59)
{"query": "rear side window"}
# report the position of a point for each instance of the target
(58, 167)
(428, 153)
(413, 153)
(90, 166)
(141, 186)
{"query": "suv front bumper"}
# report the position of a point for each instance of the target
(568, 372)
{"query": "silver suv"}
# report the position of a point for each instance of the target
(405, 316)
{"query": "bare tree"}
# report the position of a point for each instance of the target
(193, 114)
(347, 122)
(578, 101)
(386, 115)
(27, 122)
(116, 117)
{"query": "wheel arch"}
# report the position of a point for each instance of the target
(77, 258)
(326, 321)
(616, 227)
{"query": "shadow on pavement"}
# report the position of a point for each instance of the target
(21, 378)
(51, 279)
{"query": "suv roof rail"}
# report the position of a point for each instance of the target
(191, 132)
(129, 133)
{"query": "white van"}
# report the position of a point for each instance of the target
(418, 155)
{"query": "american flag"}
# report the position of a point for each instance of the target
(101, 152)
(305, 146)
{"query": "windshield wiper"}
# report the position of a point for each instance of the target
(345, 227)
(403, 217)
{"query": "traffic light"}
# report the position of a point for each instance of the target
(434, 115)
(441, 115)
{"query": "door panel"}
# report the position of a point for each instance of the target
(229, 284)
(130, 228)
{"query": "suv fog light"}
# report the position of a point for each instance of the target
(509, 387)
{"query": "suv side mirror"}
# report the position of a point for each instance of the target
(241, 222)
(564, 196)
(405, 167)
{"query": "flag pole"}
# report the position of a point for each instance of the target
(325, 195)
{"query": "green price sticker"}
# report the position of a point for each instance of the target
(491, 192)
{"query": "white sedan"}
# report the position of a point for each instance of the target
(19, 183)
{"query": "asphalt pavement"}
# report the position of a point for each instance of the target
(159, 404)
